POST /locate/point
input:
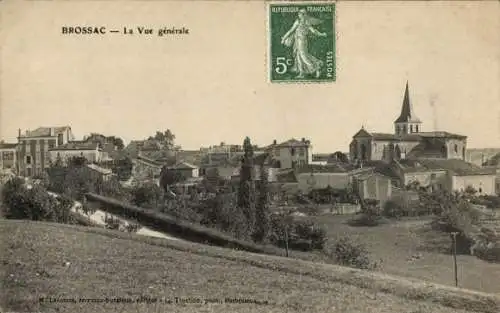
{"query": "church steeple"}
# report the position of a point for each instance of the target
(407, 122)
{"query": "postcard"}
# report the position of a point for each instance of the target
(250, 156)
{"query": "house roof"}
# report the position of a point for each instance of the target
(291, 143)
(148, 161)
(184, 165)
(336, 167)
(76, 145)
(45, 131)
(259, 158)
(454, 166)
(428, 149)
(381, 167)
(4, 145)
(407, 115)
(286, 177)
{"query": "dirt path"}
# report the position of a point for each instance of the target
(99, 218)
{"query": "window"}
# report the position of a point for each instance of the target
(411, 128)
(60, 139)
(28, 160)
(277, 152)
(302, 152)
(404, 129)
(456, 148)
(416, 128)
(8, 155)
(28, 171)
(292, 151)
(52, 143)
(397, 129)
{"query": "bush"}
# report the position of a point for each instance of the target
(222, 213)
(302, 235)
(364, 219)
(488, 252)
(34, 203)
(113, 189)
(112, 222)
(347, 252)
(183, 211)
(491, 202)
(132, 227)
(148, 196)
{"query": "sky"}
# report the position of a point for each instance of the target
(212, 85)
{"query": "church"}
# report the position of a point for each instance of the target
(408, 141)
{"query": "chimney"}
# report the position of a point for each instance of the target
(303, 139)
(19, 132)
(51, 132)
(274, 142)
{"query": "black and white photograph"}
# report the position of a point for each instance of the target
(249, 156)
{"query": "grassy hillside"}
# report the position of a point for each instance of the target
(395, 243)
(72, 262)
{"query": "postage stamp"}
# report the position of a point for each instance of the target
(302, 42)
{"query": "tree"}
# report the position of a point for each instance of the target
(169, 177)
(262, 218)
(117, 142)
(113, 189)
(222, 213)
(246, 192)
(166, 138)
(123, 168)
(148, 196)
(34, 203)
(103, 140)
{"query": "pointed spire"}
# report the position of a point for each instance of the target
(407, 114)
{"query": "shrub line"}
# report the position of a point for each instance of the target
(411, 289)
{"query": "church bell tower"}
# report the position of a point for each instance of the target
(407, 122)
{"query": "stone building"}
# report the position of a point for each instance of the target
(408, 140)
(33, 148)
(8, 155)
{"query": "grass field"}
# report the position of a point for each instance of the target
(71, 262)
(396, 242)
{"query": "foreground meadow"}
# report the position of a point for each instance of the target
(69, 263)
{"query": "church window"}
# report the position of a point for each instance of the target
(363, 152)
(398, 152)
(443, 151)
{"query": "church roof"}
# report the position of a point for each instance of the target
(394, 137)
(441, 134)
(409, 137)
(362, 133)
(407, 115)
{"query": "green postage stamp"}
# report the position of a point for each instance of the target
(302, 42)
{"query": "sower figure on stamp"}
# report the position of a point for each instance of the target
(304, 62)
